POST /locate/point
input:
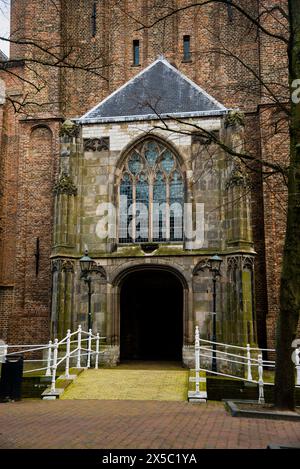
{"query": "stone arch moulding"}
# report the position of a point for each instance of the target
(137, 141)
(115, 280)
(120, 273)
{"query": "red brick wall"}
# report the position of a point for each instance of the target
(29, 157)
(225, 79)
(6, 308)
(274, 147)
(29, 151)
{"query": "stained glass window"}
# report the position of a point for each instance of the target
(167, 162)
(151, 195)
(176, 207)
(159, 208)
(126, 200)
(142, 209)
(135, 164)
(151, 152)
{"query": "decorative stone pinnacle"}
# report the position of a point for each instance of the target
(235, 119)
(65, 185)
(69, 129)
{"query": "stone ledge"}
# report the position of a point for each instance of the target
(235, 411)
(282, 446)
(50, 395)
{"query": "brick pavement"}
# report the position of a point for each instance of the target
(135, 424)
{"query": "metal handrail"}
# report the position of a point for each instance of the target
(247, 361)
(53, 361)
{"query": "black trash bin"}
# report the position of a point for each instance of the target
(11, 378)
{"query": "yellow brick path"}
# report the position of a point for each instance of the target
(130, 384)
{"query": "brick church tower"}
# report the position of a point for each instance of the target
(45, 227)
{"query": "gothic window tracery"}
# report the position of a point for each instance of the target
(151, 195)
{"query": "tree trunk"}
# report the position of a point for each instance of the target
(290, 277)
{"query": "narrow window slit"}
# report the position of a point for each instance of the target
(136, 52)
(94, 20)
(186, 48)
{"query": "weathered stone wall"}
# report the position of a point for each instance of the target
(90, 163)
(234, 324)
(99, 174)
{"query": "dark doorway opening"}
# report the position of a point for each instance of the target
(151, 316)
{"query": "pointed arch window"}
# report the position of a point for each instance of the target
(151, 195)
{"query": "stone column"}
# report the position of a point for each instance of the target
(62, 297)
(237, 187)
(239, 325)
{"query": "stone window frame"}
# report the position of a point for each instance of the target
(123, 169)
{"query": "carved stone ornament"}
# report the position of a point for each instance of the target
(235, 119)
(67, 266)
(56, 265)
(65, 185)
(248, 262)
(200, 267)
(96, 144)
(238, 177)
(69, 129)
(65, 152)
(63, 265)
(101, 272)
(240, 262)
(233, 262)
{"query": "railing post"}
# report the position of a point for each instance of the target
(228, 365)
(4, 352)
(79, 348)
(48, 371)
(67, 372)
(298, 366)
(249, 373)
(261, 399)
(97, 351)
(89, 348)
(197, 359)
(54, 366)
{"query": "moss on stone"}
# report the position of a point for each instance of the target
(235, 118)
(130, 251)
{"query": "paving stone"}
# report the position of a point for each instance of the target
(136, 424)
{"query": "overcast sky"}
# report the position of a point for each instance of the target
(4, 27)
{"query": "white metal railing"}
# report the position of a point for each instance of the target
(78, 339)
(249, 358)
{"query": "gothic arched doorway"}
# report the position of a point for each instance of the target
(151, 325)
